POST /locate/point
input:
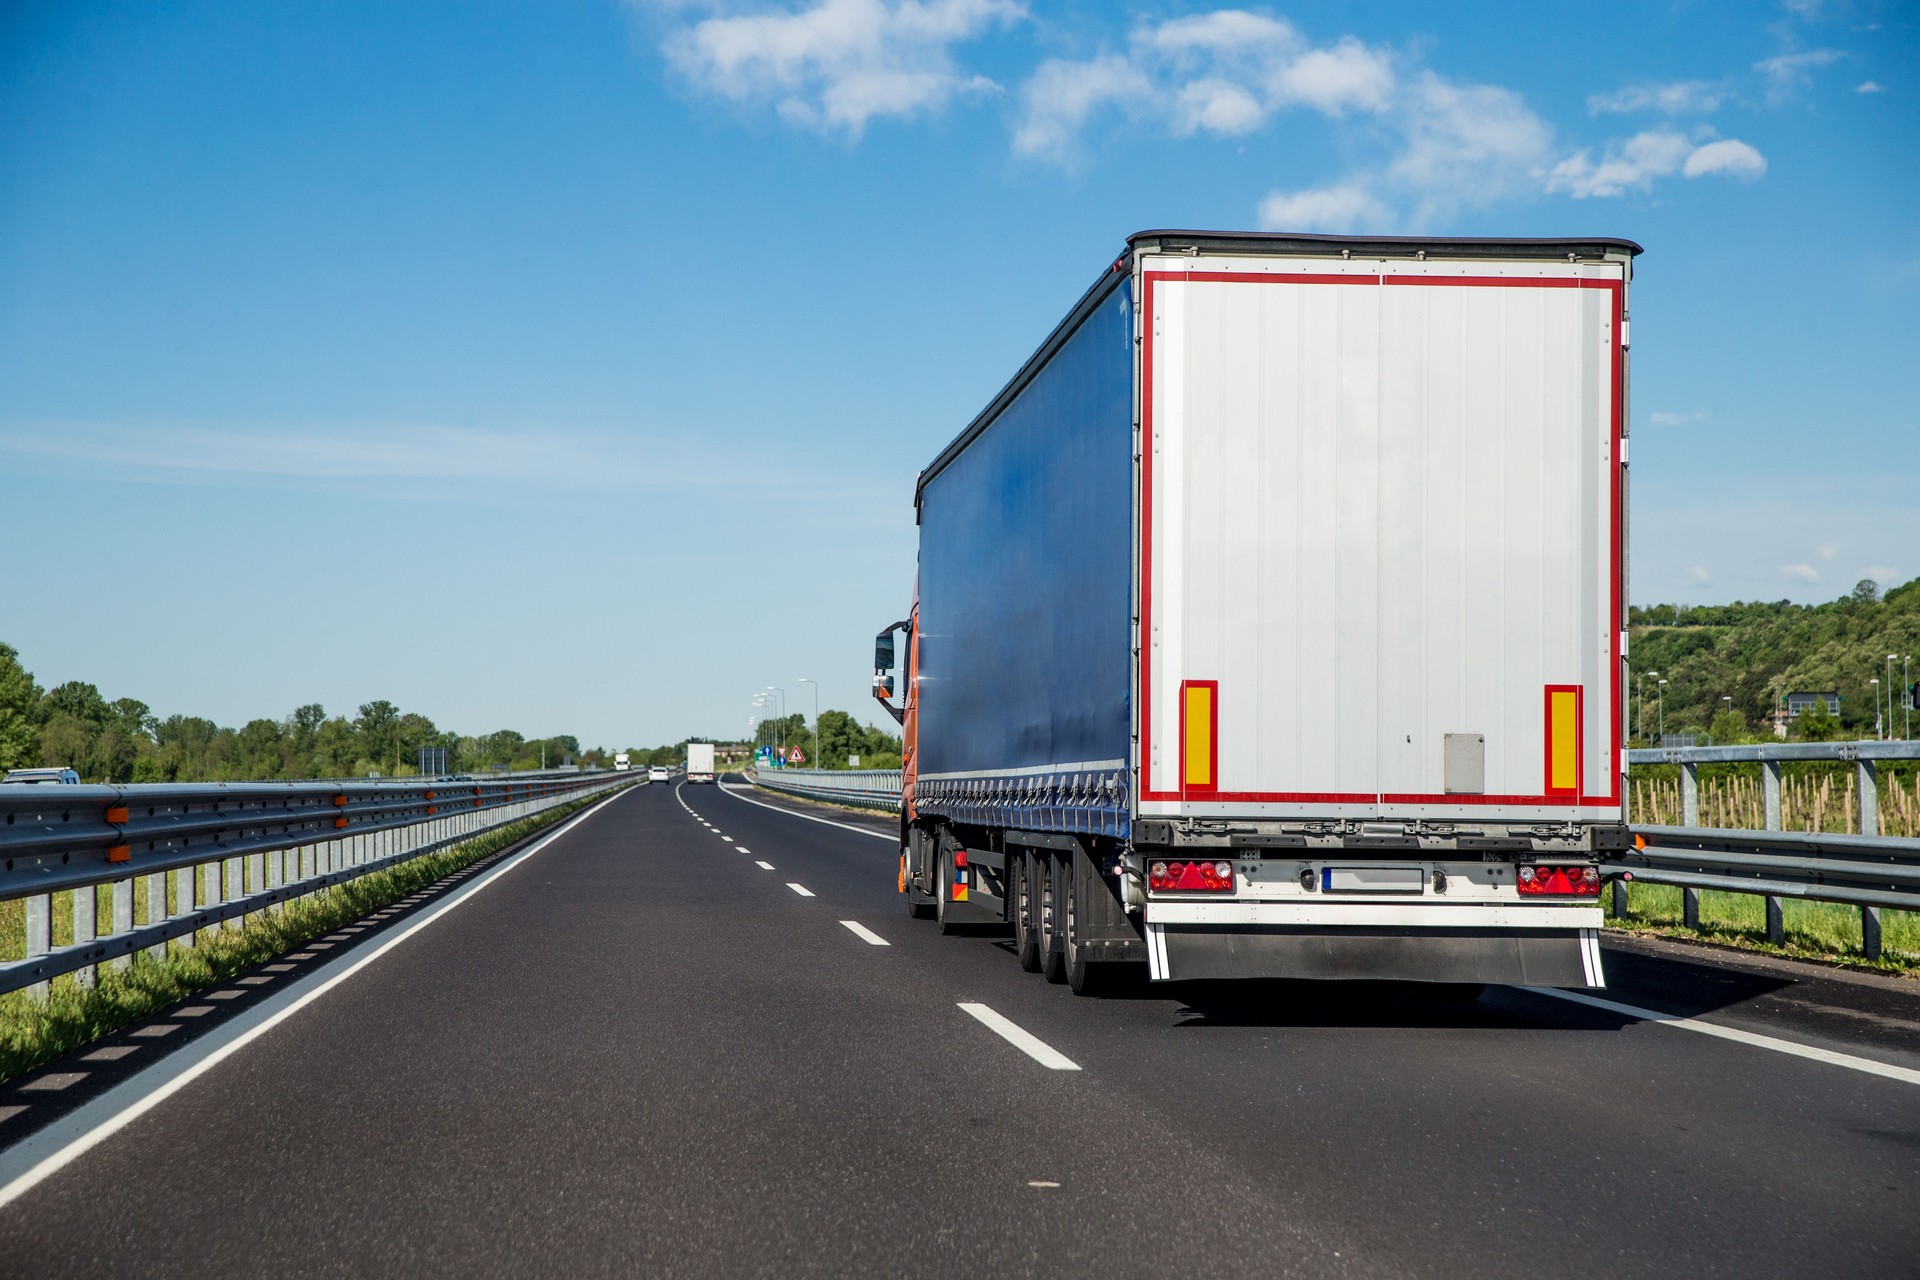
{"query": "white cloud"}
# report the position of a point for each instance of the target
(1634, 164)
(1827, 550)
(1680, 97)
(1788, 72)
(1699, 576)
(1661, 418)
(1349, 76)
(1869, 86)
(1060, 96)
(1729, 156)
(1629, 165)
(1217, 106)
(1223, 31)
(1226, 73)
(1884, 574)
(839, 64)
(1337, 209)
(1803, 572)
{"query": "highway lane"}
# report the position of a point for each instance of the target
(644, 1052)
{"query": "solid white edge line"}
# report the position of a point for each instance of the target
(1020, 1038)
(800, 889)
(35, 1159)
(764, 866)
(861, 931)
(734, 791)
(1886, 1070)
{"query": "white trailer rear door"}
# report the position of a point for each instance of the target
(1381, 538)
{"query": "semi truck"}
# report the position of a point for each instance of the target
(621, 761)
(700, 762)
(1270, 621)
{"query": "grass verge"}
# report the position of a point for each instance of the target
(73, 1015)
(1825, 932)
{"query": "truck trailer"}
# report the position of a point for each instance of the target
(1270, 620)
(700, 762)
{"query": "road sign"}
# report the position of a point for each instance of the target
(794, 756)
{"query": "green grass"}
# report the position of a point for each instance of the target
(1825, 931)
(32, 1033)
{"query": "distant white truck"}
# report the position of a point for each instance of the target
(700, 762)
(621, 762)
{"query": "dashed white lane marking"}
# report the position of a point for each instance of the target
(740, 848)
(861, 931)
(800, 889)
(1886, 1070)
(1023, 1040)
(764, 866)
(730, 789)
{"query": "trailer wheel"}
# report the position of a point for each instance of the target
(1020, 905)
(1055, 873)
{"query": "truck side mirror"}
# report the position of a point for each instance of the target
(883, 685)
(883, 652)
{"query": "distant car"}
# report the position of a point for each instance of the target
(658, 773)
(463, 777)
(44, 777)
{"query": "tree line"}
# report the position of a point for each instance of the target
(1727, 667)
(123, 741)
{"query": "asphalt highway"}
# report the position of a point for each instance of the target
(699, 1036)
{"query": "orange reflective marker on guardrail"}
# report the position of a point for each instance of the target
(120, 852)
(117, 815)
(340, 821)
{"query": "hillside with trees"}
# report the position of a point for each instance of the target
(1727, 666)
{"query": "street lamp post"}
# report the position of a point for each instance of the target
(1906, 679)
(1890, 660)
(781, 744)
(1879, 726)
(816, 718)
(1660, 693)
(1642, 709)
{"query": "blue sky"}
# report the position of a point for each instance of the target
(566, 366)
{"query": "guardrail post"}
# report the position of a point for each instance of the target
(1690, 907)
(1689, 795)
(122, 916)
(157, 909)
(1619, 899)
(185, 886)
(1869, 799)
(86, 907)
(39, 909)
(1870, 932)
(1770, 786)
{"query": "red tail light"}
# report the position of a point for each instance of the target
(1560, 882)
(1190, 877)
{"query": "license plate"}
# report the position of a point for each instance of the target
(1373, 879)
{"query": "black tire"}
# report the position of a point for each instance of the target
(1026, 936)
(1052, 915)
(941, 888)
(919, 905)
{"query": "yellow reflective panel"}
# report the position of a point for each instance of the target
(1198, 727)
(1563, 740)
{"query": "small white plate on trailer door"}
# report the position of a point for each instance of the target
(1373, 880)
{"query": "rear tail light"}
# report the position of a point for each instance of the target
(1190, 877)
(1560, 882)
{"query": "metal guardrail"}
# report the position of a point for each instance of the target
(230, 842)
(865, 788)
(1863, 756)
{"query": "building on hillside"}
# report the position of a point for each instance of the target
(1795, 705)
